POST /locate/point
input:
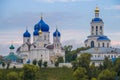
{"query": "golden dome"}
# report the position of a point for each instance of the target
(40, 31)
(97, 10)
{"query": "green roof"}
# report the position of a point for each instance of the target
(12, 57)
(11, 47)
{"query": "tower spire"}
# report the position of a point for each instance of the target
(41, 15)
(97, 12)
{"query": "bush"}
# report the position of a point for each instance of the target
(45, 64)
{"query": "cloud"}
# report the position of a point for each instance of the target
(117, 7)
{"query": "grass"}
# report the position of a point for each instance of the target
(56, 74)
(49, 73)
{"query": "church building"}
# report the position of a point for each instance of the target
(98, 42)
(41, 48)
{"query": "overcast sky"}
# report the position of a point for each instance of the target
(72, 17)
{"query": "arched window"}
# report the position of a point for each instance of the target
(107, 44)
(100, 29)
(96, 30)
(44, 37)
(98, 44)
(103, 45)
(92, 28)
(92, 43)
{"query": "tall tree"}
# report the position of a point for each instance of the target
(84, 60)
(80, 74)
(34, 62)
(3, 64)
(107, 75)
(29, 72)
(107, 63)
(45, 64)
(40, 63)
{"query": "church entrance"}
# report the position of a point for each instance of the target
(92, 43)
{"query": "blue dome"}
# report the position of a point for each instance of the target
(103, 38)
(96, 19)
(35, 33)
(42, 25)
(26, 34)
(56, 33)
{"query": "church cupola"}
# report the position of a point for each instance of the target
(56, 39)
(42, 25)
(97, 24)
(26, 37)
(97, 12)
(26, 34)
(11, 48)
(56, 33)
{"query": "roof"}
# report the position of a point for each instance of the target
(26, 34)
(50, 46)
(56, 33)
(96, 20)
(41, 25)
(101, 50)
(12, 57)
(103, 38)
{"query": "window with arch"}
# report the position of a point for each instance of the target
(92, 43)
(100, 29)
(98, 44)
(44, 37)
(96, 30)
(103, 44)
(92, 28)
(107, 44)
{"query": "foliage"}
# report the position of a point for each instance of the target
(40, 63)
(12, 76)
(74, 65)
(60, 60)
(43, 74)
(107, 63)
(45, 64)
(29, 72)
(80, 74)
(3, 64)
(8, 65)
(34, 62)
(71, 55)
(56, 64)
(84, 60)
(107, 75)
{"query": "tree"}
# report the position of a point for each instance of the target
(60, 60)
(8, 65)
(12, 76)
(45, 64)
(74, 65)
(34, 62)
(84, 60)
(93, 71)
(3, 64)
(107, 63)
(117, 66)
(56, 64)
(67, 53)
(29, 72)
(107, 75)
(80, 74)
(40, 63)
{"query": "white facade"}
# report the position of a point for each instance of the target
(97, 37)
(99, 43)
(41, 48)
